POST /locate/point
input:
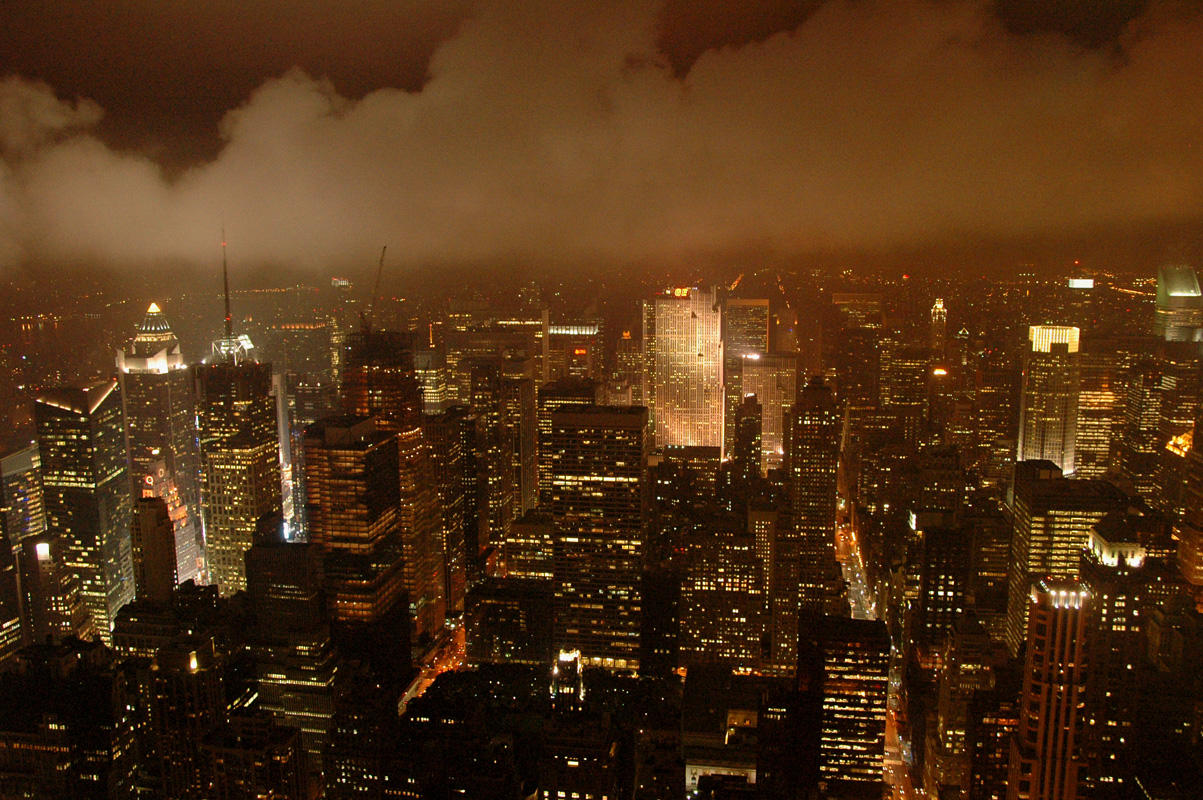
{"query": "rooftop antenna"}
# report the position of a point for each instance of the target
(225, 278)
(370, 315)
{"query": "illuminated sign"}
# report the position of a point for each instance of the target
(1081, 283)
(580, 351)
(939, 372)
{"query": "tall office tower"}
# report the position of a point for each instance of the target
(629, 366)
(51, 605)
(12, 633)
(938, 337)
(453, 437)
(904, 381)
(746, 450)
(240, 462)
(1180, 372)
(996, 414)
(21, 494)
(521, 432)
(561, 395)
(187, 701)
(687, 364)
(722, 598)
(773, 378)
(806, 553)
(599, 504)
(295, 660)
(530, 550)
(153, 544)
(1112, 573)
(967, 670)
(1048, 405)
(572, 349)
(853, 656)
(496, 451)
(1052, 519)
(160, 429)
(745, 325)
(1046, 758)
(87, 492)
(1098, 407)
(430, 369)
(354, 512)
(1138, 449)
(1178, 313)
(379, 380)
(67, 726)
(943, 585)
(852, 348)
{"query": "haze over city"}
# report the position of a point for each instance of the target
(632, 134)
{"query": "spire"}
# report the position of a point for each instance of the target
(225, 278)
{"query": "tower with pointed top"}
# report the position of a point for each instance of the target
(160, 433)
(240, 450)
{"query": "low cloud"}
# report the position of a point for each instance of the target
(558, 132)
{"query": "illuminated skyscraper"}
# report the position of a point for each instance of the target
(1053, 518)
(240, 457)
(1048, 411)
(87, 492)
(722, 599)
(354, 513)
(1046, 758)
(939, 328)
(160, 429)
(773, 378)
(599, 505)
(1178, 313)
(379, 382)
(561, 395)
(1098, 407)
(805, 554)
(686, 368)
(23, 497)
(854, 657)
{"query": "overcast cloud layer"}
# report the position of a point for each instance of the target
(558, 132)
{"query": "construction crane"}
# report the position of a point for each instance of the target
(368, 316)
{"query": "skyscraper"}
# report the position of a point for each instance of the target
(686, 362)
(160, 429)
(939, 328)
(1048, 411)
(1053, 517)
(806, 549)
(854, 658)
(353, 505)
(87, 493)
(1046, 759)
(1178, 313)
(240, 477)
(153, 551)
(599, 504)
(773, 378)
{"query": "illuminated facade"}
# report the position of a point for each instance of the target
(687, 366)
(240, 458)
(773, 378)
(1098, 406)
(353, 503)
(1178, 312)
(599, 505)
(87, 493)
(23, 497)
(939, 328)
(1113, 574)
(1046, 758)
(722, 600)
(806, 548)
(854, 655)
(1048, 411)
(1053, 518)
(561, 395)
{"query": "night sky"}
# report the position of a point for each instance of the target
(561, 133)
